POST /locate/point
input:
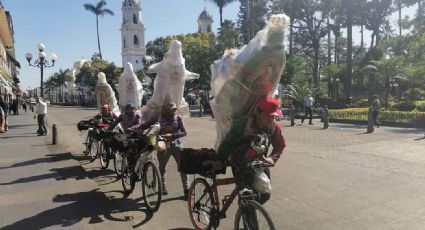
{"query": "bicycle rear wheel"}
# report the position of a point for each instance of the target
(151, 186)
(252, 216)
(200, 204)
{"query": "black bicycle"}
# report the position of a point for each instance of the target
(139, 163)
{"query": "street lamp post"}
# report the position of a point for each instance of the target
(41, 63)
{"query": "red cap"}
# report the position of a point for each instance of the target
(270, 106)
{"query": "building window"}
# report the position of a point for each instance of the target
(199, 29)
(208, 28)
(135, 19)
(136, 40)
(123, 43)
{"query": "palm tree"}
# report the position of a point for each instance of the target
(98, 10)
(60, 78)
(221, 4)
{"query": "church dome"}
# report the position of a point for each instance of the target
(79, 64)
(205, 15)
(130, 2)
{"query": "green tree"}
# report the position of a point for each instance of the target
(221, 4)
(98, 10)
(228, 35)
(88, 73)
(251, 17)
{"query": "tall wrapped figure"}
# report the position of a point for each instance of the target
(171, 75)
(130, 89)
(104, 94)
(241, 78)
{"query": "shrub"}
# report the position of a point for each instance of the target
(414, 94)
(405, 106)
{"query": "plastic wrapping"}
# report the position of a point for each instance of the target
(104, 94)
(171, 75)
(243, 77)
(130, 89)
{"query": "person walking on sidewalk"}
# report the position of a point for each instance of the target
(308, 108)
(376, 107)
(5, 106)
(41, 113)
(2, 115)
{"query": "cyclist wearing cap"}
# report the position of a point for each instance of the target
(235, 146)
(128, 119)
(172, 128)
(106, 116)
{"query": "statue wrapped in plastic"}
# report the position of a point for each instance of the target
(104, 94)
(171, 75)
(130, 89)
(243, 77)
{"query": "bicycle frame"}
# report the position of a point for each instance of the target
(229, 201)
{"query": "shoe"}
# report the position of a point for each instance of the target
(164, 190)
(311, 124)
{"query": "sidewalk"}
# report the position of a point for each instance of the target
(45, 187)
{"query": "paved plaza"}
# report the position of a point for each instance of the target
(338, 178)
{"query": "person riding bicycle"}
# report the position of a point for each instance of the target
(172, 128)
(106, 116)
(128, 119)
(236, 146)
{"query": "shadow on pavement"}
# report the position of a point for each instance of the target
(79, 206)
(72, 172)
(48, 159)
(8, 137)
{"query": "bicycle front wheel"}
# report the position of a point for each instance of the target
(200, 204)
(94, 149)
(151, 186)
(252, 216)
(104, 152)
(128, 180)
(118, 163)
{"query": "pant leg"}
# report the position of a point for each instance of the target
(40, 129)
(305, 114)
(185, 180)
(310, 113)
(45, 124)
(163, 158)
(6, 122)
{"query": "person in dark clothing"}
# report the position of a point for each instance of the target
(5, 106)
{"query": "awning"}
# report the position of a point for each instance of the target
(6, 85)
(11, 58)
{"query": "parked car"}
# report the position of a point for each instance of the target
(32, 101)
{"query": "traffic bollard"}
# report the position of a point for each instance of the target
(54, 134)
(292, 116)
(325, 118)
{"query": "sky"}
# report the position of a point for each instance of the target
(68, 30)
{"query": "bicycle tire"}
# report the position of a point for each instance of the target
(94, 150)
(200, 210)
(118, 163)
(87, 144)
(259, 210)
(153, 183)
(128, 181)
(104, 152)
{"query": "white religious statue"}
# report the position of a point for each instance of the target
(171, 75)
(104, 94)
(130, 89)
(71, 80)
(241, 78)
